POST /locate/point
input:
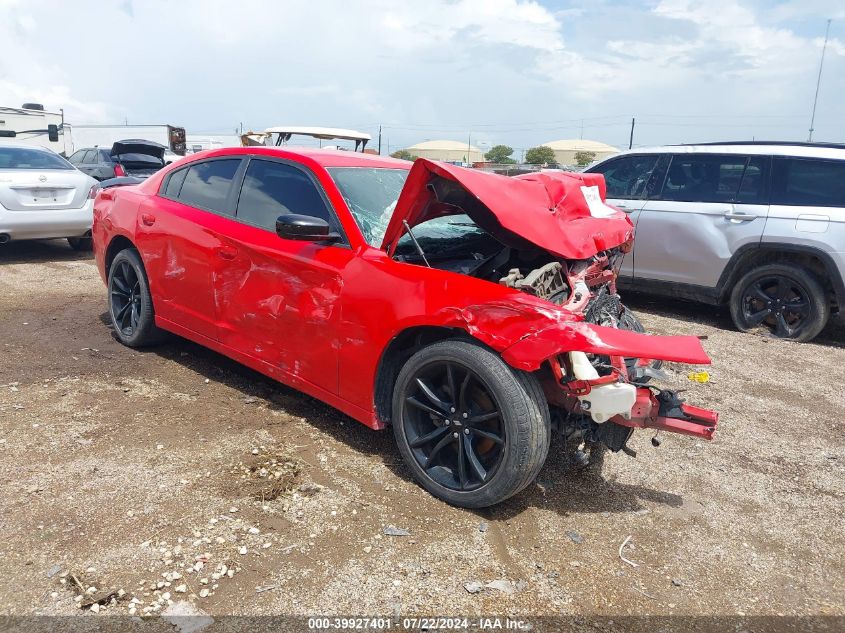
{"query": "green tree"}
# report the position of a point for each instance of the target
(403, 154)
(584, 158)
(541, 155)
(500, 154)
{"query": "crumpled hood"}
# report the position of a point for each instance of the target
(561, 212)
(138, 146)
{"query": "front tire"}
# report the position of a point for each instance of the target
(130, 303)
(784, 300)
(473, 430)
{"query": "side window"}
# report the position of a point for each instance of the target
(104, 157)
(90, 157)
(754, 188)
(174, 184)
(76, 157)
(627, 176)
(207, 185)
(704, 178)
(272, 189)
(808, 182)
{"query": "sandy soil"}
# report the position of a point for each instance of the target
(120, 467)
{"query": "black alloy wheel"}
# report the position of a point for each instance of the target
(472, 430)
(130, 303)
(453, 425)
(785, 301)
(778, 303)
(125, 295)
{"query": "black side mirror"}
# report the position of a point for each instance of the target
(305, 228)
(53, 133)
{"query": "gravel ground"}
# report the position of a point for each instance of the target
(176, 471)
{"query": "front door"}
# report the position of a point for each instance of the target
(710, 206)
(277, 300)
(630, 180)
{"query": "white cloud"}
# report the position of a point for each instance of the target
(457, 65)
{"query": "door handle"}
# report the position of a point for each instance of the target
(227, 252)
(735, 215)
(148, 219)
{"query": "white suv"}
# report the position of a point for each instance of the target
(760, 226)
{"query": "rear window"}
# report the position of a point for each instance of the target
(808, 182)
(31, 158)
(207, 185)
(174, 183)
(140, 158)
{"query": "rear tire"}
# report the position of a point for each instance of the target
(473, 430)
(82, 244)
(130, 303)
(784, 300)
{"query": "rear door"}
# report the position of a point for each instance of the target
(88, 162)
(278, 300)
(630, 180)
(179, 235)
(709, 207)
(105, 166)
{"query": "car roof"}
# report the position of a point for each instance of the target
(323, 157)
(26, 146)
(757, 148)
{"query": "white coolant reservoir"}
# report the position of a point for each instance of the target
(603, 401)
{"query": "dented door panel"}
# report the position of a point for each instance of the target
(178, 244)
(278, 301)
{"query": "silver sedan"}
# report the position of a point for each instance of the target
(42, 196)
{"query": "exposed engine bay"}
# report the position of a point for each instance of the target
(596, 400)
(586, 287)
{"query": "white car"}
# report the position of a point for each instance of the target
(43, 196)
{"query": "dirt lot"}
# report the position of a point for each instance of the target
(120, 466)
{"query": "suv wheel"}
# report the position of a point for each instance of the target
(473, 430)
(786, 300)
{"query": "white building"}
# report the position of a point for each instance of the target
(450, 151)
(566, 149)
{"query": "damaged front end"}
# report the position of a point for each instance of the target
(551, 237)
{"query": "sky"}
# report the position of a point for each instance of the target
(518, 72)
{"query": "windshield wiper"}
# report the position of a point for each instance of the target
(416, 243)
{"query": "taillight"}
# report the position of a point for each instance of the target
(119, 170)
(92, 192)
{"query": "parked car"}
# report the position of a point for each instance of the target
(170, 157)
(135, 158)
(42, 196)
(469, 310)
(757, 226)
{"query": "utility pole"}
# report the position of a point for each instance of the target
(818, 82)
(631, 140)
(582, 129)
(379, 140)
(469, 138)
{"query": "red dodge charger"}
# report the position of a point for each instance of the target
(473, 313)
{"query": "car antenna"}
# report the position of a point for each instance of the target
(416, 243)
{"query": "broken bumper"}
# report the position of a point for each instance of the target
(651, 412)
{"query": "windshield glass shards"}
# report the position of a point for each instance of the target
(371, 195)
